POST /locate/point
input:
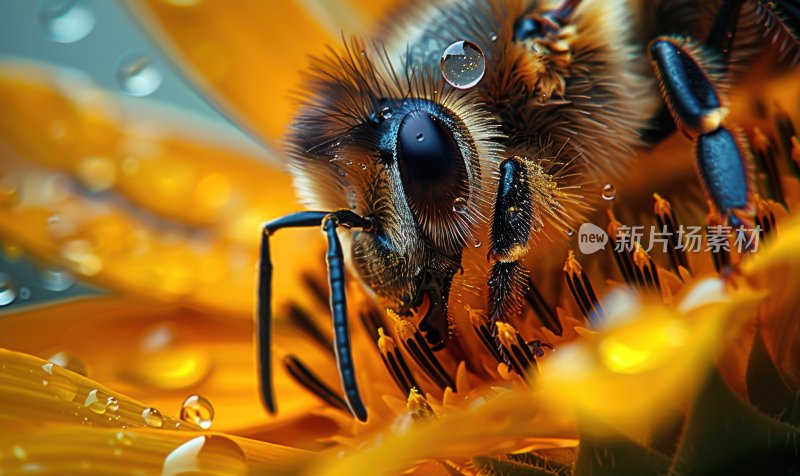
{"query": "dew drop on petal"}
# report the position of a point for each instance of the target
(66, 21)
(463, 64)
(207, 454)
(112, 404)
(96, 401)
(198, 410)
(56, 280)
(152, 418)
(24, 293)
(460, 205)
(8, 289)
(69, 362)
(609, 192)
(58, 384)
(138, 76)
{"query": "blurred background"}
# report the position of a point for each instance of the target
(101, 39)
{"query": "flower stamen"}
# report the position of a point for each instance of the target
(669, 225)
(582, 290)
(416, 346)
(395, 363)
(305, 377)
(418, 406)
(520, 357)
(621, 255)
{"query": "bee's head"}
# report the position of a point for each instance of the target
(408, 153)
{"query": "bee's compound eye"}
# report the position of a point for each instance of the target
(527, 27)
(430, 161)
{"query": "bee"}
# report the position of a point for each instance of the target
(438, 155)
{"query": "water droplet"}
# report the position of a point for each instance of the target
(137, 75)
(66, 21)
(8, 289)
(460, 205)
(570, 232)
(58, 384)
(207, 454)
(386, 112)
(69, 362)
(477, 244)
(609, 192)
(57, 280)
(96, 401)
(493, 37)
(463, 64)
(420, 137)
(112, 404)
(97, 173)
(198, 410)
(152, 417)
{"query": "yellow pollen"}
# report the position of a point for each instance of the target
(662, 207)
(571, 266)
(405, 329)
(506, 334)
(385, 343)
(640, 256)
(418, 406)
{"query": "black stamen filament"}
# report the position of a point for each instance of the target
(582, 290)
(395, 363)
(521, 358)
(305, 377)
(416, 346)
(667, 223)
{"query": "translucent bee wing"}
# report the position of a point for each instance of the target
(249, 59)
(135, 199)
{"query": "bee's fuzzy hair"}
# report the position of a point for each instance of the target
(344, 92)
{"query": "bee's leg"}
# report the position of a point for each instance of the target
(330, 221)
(697, 107)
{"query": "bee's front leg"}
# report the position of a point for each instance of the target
(698, 108)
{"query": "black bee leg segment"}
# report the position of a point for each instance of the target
(341, 329)
(331, 220)
(510, 232)
(696, 105)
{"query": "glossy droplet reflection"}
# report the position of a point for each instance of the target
(460, 205)
(58, 384)
(66, 21)
(8, 289)
(96, 401)
(138, 76)
(152, 418)
(198, 410)
(463, 64)
(57, 280)
(69, 362)
(165, 359)
(609, 192)
(207, 454)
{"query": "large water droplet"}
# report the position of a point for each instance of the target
(460, 205)
(153, 418)
(207, 454)
(167, 359)
(96, 401)
(57, 280)
(198, 410)
(138, 76)
(59, 384)
(69, 362)
(609, 192)
(463, 64)
(8, 289)
(66, 21)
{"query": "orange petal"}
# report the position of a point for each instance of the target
(58, 422)
(104, 235)
(251, 56)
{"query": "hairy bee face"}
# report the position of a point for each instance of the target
(383, 134)
(414, 158)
